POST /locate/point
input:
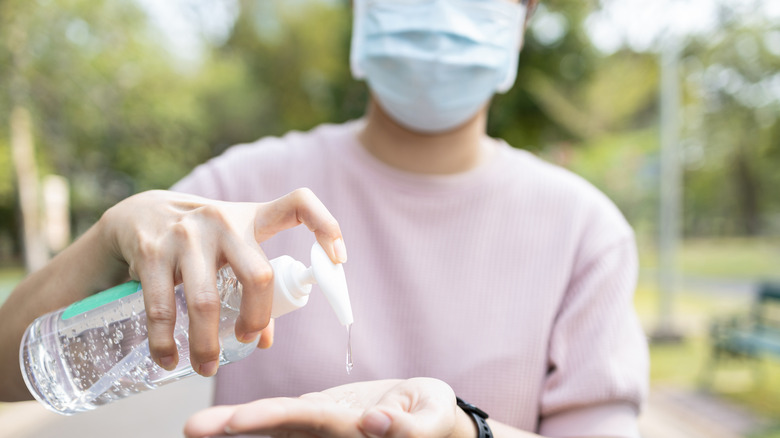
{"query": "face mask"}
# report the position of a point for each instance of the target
(433, 64)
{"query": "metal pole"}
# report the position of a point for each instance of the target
(671, 184)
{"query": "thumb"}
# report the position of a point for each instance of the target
(376, 423)
(266, 339)
(415, 407)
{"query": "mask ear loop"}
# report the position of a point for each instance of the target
(511, 73)
(356, 48)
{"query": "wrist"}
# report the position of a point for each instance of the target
(104, 240)
(477, 418)
(100, 267)
(464, 425)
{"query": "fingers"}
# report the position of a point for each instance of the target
(315, 415)
(257, 279)
(203, 307)
(209, 422)
(251, 267)
(160, 306)
(415, 407)
(301, 206)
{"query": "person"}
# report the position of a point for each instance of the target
(475, 269)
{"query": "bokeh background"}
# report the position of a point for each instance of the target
(671, 107)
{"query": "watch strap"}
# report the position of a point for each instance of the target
(478, 415)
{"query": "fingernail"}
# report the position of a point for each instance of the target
(168, 362)
(340, 250)
(375, 424)
(208, 369)
(250, 337)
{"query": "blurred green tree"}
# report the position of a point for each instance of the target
(587, 111)
(110, 111)
(733, 147)
(566, 91)
(290, 61)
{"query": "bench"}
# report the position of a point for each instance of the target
(753, 336)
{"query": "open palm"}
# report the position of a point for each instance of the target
(394, 408)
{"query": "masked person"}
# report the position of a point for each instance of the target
(476, 269)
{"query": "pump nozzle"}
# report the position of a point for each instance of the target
(333, 283)
(292, 284)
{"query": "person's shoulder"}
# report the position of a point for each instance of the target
(294, 143)
(266, 167)
(564, 188)
(530, 169)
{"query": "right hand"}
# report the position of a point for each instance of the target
(165, 238)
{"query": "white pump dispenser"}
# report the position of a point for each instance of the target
(292, 284)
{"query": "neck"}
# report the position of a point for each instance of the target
(458, 150)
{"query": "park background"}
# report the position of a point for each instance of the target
(670, 107)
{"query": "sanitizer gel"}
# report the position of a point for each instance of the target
(97, 351)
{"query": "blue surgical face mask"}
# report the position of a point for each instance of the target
(433, 64)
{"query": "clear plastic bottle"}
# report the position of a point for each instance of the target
(96, 351)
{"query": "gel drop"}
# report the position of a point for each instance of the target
(349, 349)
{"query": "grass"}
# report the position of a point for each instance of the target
(773, 432)
(731, 258)
(735, 258)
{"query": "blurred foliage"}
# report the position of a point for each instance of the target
(733, 136)
(110, 111)
(566, 91)
(292, 62)
(116, 112)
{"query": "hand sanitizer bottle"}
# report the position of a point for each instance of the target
(96, 351)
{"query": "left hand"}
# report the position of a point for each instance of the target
(383, 408)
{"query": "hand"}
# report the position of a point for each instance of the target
(419, 407)
(166, 238)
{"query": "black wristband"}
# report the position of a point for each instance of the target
(479, 416)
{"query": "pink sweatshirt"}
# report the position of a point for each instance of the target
(512, 282)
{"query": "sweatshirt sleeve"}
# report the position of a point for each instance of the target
(597, 359)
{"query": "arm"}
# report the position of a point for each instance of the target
(384, 408)
(85, 266)
(163, 238)
(598, 360)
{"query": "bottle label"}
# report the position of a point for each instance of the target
(101, 298)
